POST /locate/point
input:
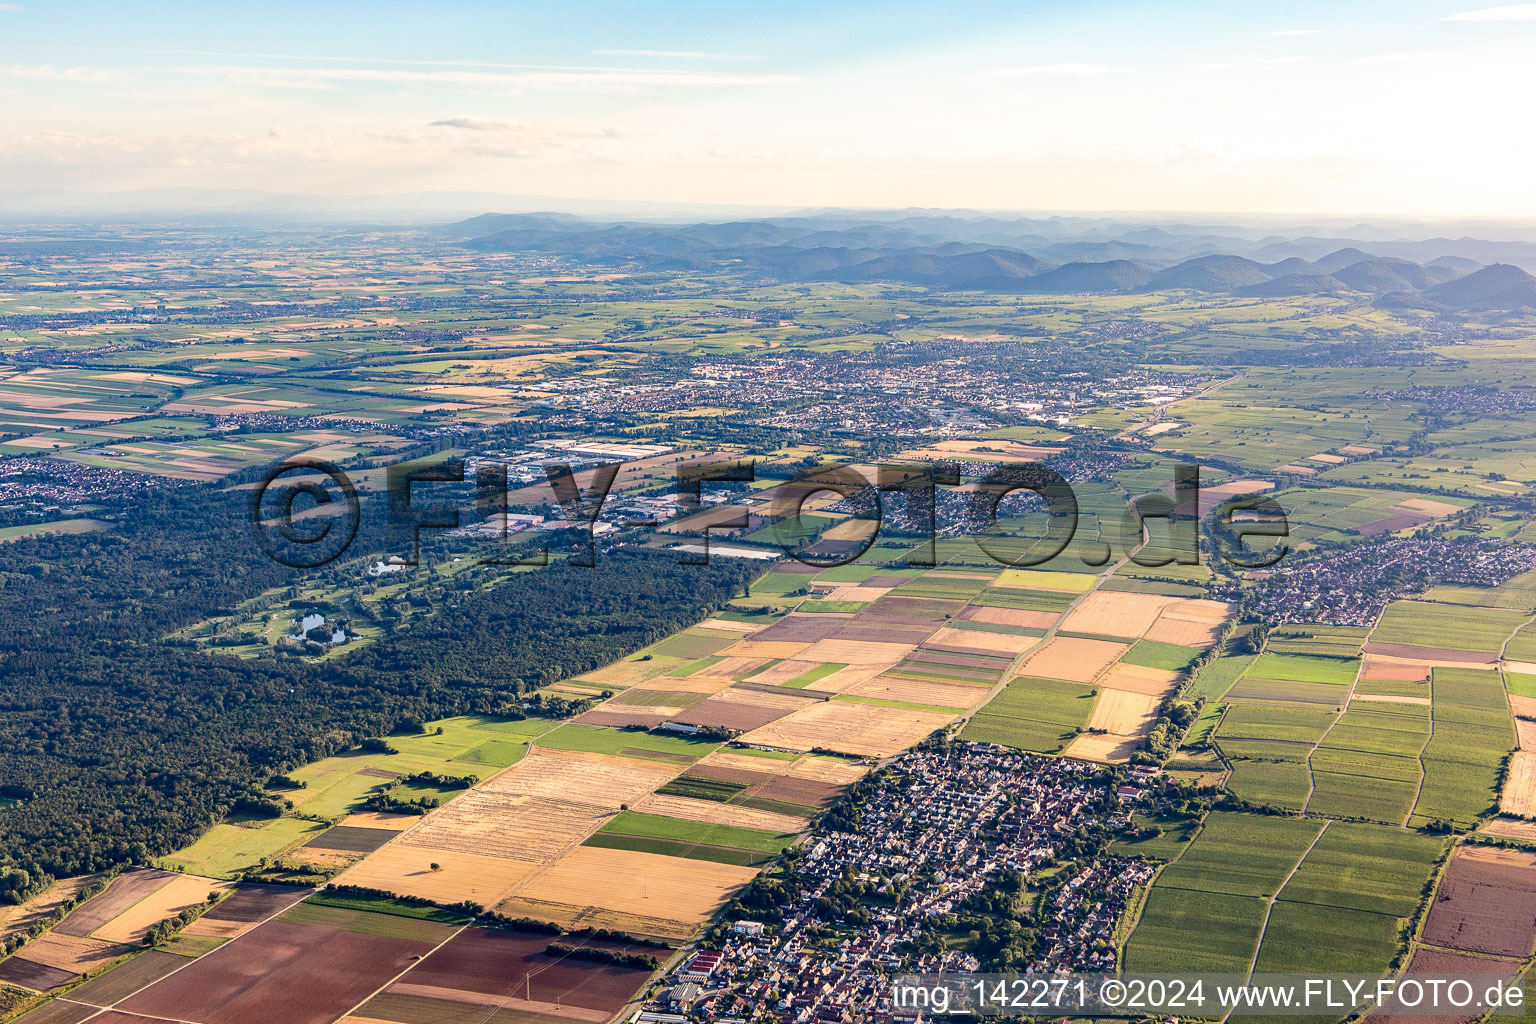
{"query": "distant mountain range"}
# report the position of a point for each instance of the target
(1034, 257)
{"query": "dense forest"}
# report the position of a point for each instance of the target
(119, 744)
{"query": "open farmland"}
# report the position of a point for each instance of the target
(1288, 881)
(643, 893)
(503, 971)
(1486, 903)
(277, 970)
(1430, 627)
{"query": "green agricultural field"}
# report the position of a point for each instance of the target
(677, 848)
(1254, 687)
(1473, 733)
(1200, 732)
(1368, 766)
(1027, 600)
(63, 526)
(806, 679)
(1241, 854)
(690, 644)
(1038, 715)
(597, 739)
(1306, 938)
(1303, 668)
(1185, 931)
(1152, 654)
(1374, 868)
(227, 850)
(1521, 684)
(1270, 773)
(1292, 723)
(655, 826)
(1457, 627)
(1215, 678)
(1522, 646)
(1319, 640)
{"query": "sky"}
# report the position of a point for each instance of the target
(1409, 108)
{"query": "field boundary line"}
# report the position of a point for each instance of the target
(1348, 700)
(1423, 769)
(126, 1013)
(190, 960)
(1269, 908)
(997, 688)
(403, 973)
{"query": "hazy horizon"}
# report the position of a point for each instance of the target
(1365, 110)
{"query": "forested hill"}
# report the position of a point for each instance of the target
(122, 744)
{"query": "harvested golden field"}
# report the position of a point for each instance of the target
(625, 673)
(166, 901)
(1012, 617)
(1123, 713)
(68, 953)
(915, 691)
(1112, 613)
(1523, 707)
(1525, 729)
(20, 917)
(514, 826)
(716, 813)
(733, 667)
(1434, 508)
(865, 594)
(1519, 795)
(1194, 623)
(864, 729)
(1072, 658)
(644, 884)
(1041, 579)
(1139, 679)
(603, 780)
(725, 757)
(697, 683)
(766, 650)
(727, 624)
(1511, 828)
(977, 640)
(855, 652)
(828, 769)
(407, 871)
(373, 819)
(1104, 749)
(207, 927)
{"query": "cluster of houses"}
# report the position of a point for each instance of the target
(943, 825)
(1350, 587)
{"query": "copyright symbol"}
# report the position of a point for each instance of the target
(1112, 992)
(312, 540)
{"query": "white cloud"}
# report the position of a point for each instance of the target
(473, 124)
(1429, 57)
(49, 73)
(1511, 12)
(1286, 33)
(11, 7)
(1059, 69)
